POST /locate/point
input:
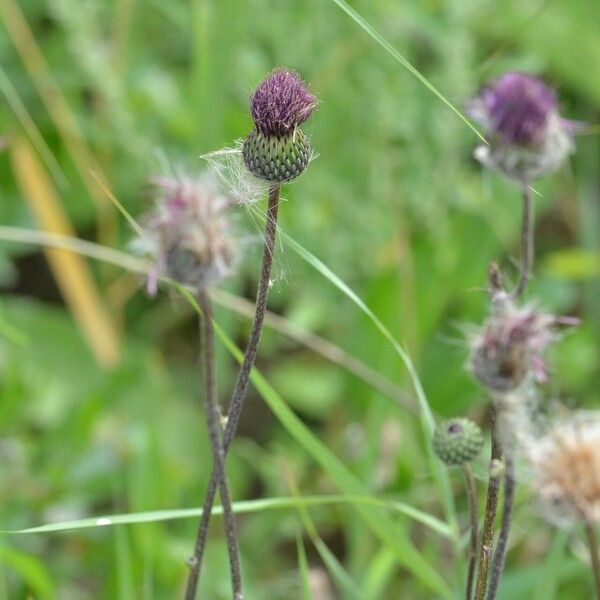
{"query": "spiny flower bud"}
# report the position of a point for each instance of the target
(565, 469)
(187, 234)
(276, 159)
(457, 441)
(511, 345)
(277, 150)
(528, 138)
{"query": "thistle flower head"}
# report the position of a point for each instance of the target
(280, 103)
(527, 136)
(565, 469)
(187, 234)
(277, 150)
(457, 441)
(510, 346)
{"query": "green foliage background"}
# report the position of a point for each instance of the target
(394, 204)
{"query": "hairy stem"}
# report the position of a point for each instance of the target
(527, 242)
(213, 416)
(243, 379)
(491, 505)
(594, 556)
(472, 500)
(507, 511)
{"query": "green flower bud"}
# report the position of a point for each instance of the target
(457, 441)
(276, 159)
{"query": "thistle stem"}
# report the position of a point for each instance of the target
(213, 415)
(243, 378)
(507, 512)
(527, 242)
(594, 556)
(472, 500)
(487, 536)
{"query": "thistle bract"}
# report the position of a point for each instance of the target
(276, 150)
(457, 441)
(276, 159)
(528, 138)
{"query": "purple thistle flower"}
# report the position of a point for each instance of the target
(528, 138)
(517, 107)
(280, 103)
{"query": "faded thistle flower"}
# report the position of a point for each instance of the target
(528, 137)
(565, 469)
(187, 234)
(276, 149)
(511, 345)
(457, 441)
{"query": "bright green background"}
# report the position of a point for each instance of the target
(394, 204)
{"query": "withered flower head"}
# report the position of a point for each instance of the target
(187, 234)
(510, 346)
(565, 467)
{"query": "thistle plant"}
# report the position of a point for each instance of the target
(188, 236)
(528, 139)
(276, 150)
(457, 442)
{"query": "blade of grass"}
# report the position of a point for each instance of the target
(344, 581)
(244, 506)
(124, 565)
(73, 275)
(439, 471)
(11, 333)
(303, 568)
(378, 575)
(29, 126)
(4, 585)
(83, 247)
(370, 30)
(32, 571)
(549, 577)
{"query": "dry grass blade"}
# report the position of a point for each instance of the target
(65, 120)
(71, 272)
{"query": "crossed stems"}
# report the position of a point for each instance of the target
(496, 292)
(213, 418)
(239, 391)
